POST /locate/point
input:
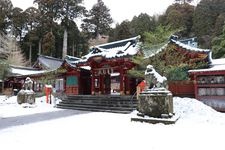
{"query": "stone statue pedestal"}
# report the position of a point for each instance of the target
(26, 95)
(156, 103)
(155, 107)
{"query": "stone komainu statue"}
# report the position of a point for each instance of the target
(154, 79)
(28, 84)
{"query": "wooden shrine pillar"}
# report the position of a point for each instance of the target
(127, 85)
(195, 86)
(92, 83)
(101, 84)
(121, 82)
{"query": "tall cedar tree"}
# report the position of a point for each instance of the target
(5, 14)
(98, 20)
(69, 10)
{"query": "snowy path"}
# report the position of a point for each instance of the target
(45, 127)
(33, 118)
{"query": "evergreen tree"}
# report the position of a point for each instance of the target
(48, 45)
(218, 45)
(98, 20)
(153, 41)
(121, 31)
(179, 16)
(18, 22)
(208, 20)
(5, 14)
(69, 10)
(142, 23)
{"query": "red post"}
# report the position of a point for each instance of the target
(121, 82)
(195, 86)
(92, 83)
(48, 93)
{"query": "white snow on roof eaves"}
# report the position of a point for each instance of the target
(26, 72)
(216, 65)
(128, 49)
(214, 68)
(189, 47)
(157, 51)
(220, 61)
(86, 67)
(72, 57)
(133, 38)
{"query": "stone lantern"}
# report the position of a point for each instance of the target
(26, 95)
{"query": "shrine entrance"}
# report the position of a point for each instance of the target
(109, 76)
(106, 84)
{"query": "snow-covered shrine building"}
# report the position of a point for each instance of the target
(206, 85)
(101, 72)
(104, 71)
(61, 74)
(109, 65)
(209, 84)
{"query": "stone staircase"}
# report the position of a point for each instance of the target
(102, 103)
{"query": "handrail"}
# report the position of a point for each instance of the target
(132, 99)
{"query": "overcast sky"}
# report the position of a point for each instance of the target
(120, 10)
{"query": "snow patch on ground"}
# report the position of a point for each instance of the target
(10, 108)
(199, 127)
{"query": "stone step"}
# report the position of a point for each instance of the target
(102, 102)
(98, 97)
(126, 105)
(118, 104)
(96, 109)
(97, 106)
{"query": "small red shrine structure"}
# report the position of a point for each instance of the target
(209, 84)
(63, 76)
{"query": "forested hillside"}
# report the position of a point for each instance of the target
(52, 28)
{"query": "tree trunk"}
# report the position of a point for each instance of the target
(30, 53)
(73, 50)
(64, 52)
(39, 47)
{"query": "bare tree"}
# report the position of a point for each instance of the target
(10, 53)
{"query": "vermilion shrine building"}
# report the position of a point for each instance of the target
(104, 71)
(109, 65)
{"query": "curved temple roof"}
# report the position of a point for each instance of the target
(117, 49)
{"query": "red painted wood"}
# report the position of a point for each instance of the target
(182, 88)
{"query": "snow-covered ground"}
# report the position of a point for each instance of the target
(45, 127)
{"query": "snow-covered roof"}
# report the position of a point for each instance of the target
(22, 71)
(71, 59)
(86, 67)
(179, 43)
(49, 63)
(190, 48)
(216, 65)
(153, 52)
(122, 48)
